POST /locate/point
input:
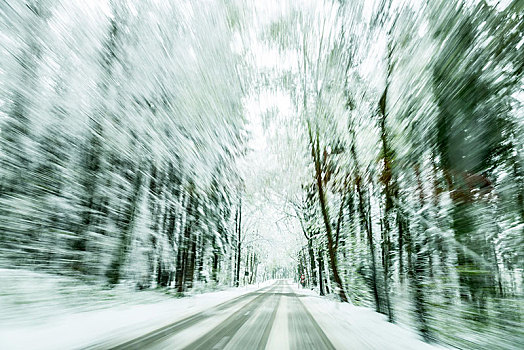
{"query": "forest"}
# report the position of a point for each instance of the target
(375, 147)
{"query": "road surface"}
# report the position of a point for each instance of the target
(270, 318)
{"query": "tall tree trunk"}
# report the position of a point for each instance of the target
(237, 272)
(214, 273)
(255, 268)
(192, 244)
(191, 259)
(325, 215)
(179, 269)
(239, 244)
(320, 273)
(200, 260)
(312, 262)
(387, 180)
(184, 245)
(311, 252)
(214, 268)
(366, 227)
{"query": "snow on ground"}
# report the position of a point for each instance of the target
(41, 311)
(356, 327)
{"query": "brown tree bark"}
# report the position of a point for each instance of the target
(325, 215)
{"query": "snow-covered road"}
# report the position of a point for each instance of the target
(254, 321)
(278, 316)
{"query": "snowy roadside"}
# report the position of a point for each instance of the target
(28, 320)
(356, 327)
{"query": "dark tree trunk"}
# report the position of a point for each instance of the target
(200, 260)
(170, 229)
(190, 268)
(320, 274)
(185, 247)
(159, 271)
(387, 181)
(214, 273)
(239, 245)
(365, 223)
(237, 275)
(180, 265)
(313, 268)
(255, 268)
(214, 267)
(325, 215)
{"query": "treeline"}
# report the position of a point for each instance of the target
(120, 127)
(410, 118)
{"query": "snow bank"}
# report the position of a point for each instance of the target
(356, 327)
